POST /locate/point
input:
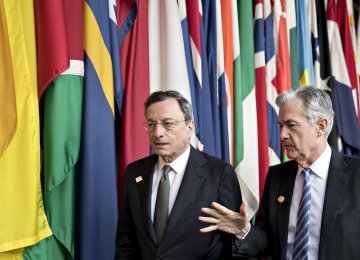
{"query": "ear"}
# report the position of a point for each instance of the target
(190, 127)
(323, 125)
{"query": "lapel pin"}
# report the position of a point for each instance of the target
(138, 179)
(281, 199)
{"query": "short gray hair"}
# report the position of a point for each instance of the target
(317, 104)
(159, 96)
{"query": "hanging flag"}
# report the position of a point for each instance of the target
(215, 68)
(293, 42)
(23, 220)
(304, 46)
(167, 61)
(282, 80)
(62, 111)
(324, 55)
(97, 178)
(271, 90)
(190, 26)
(246, 145)
(221, 88)
(226, 21)
(134, 54)
(260, 88)
(7, 88)
(197, 64)
(311, 10)
(346, 121)
(345, 34)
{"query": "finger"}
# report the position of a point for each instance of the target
(209, 220)
(209, 229)
(212, 212)
(221, 208)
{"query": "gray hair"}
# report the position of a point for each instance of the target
(159, 96)
(317, 104)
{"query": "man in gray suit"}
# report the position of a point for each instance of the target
(193, 180)
(310, 214)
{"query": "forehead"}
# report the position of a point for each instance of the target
(293, 109)
(168, 108)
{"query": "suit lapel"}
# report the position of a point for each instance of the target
(286, 191)
(145, 195)
(193, 177)
(336, 182)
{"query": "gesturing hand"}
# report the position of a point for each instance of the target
(226, 220)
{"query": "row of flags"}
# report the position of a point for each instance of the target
(75, 76)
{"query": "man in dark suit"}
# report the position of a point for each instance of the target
(194, 181)
(313, 215)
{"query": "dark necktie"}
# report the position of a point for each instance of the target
(162, 203)
(301, 243)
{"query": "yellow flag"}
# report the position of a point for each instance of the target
(7, 87)
(22, 218)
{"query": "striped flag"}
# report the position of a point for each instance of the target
(23, 220)
(215, 68)
(97, 176)
(194, 44)
(246, 147)
(346, 122)
(226, 21)
(349, 54)
(304, 46)
(260, 87)
(221, 101)
(271, 91)
(311, 9)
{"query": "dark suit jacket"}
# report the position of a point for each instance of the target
(340, 228)
(206, 179)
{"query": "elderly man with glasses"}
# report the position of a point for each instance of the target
(163, 193)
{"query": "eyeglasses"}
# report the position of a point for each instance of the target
(166, 124)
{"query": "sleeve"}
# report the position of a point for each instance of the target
(255, 243)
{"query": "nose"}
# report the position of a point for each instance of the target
(159, 130)
(283, 133)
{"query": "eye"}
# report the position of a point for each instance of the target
(168, 124)
(151, 125)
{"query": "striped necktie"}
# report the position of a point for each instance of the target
(301, 243)
(162, 203)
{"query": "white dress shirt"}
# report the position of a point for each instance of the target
(318, 178)
(175, 177)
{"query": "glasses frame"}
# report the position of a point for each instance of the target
(162, 123)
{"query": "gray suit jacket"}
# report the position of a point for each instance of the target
(340, 228)
(206, 179)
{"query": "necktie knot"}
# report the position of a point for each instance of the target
(306, 172)
(166, 169)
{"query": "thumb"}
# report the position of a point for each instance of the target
(243, 209)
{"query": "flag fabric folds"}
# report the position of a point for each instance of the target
(346, 119)
(75, 74)
(22, 215)
(62, 113)
(97, 193)
(246, 150)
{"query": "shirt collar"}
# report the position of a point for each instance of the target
(321, 166)
(179, 164)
